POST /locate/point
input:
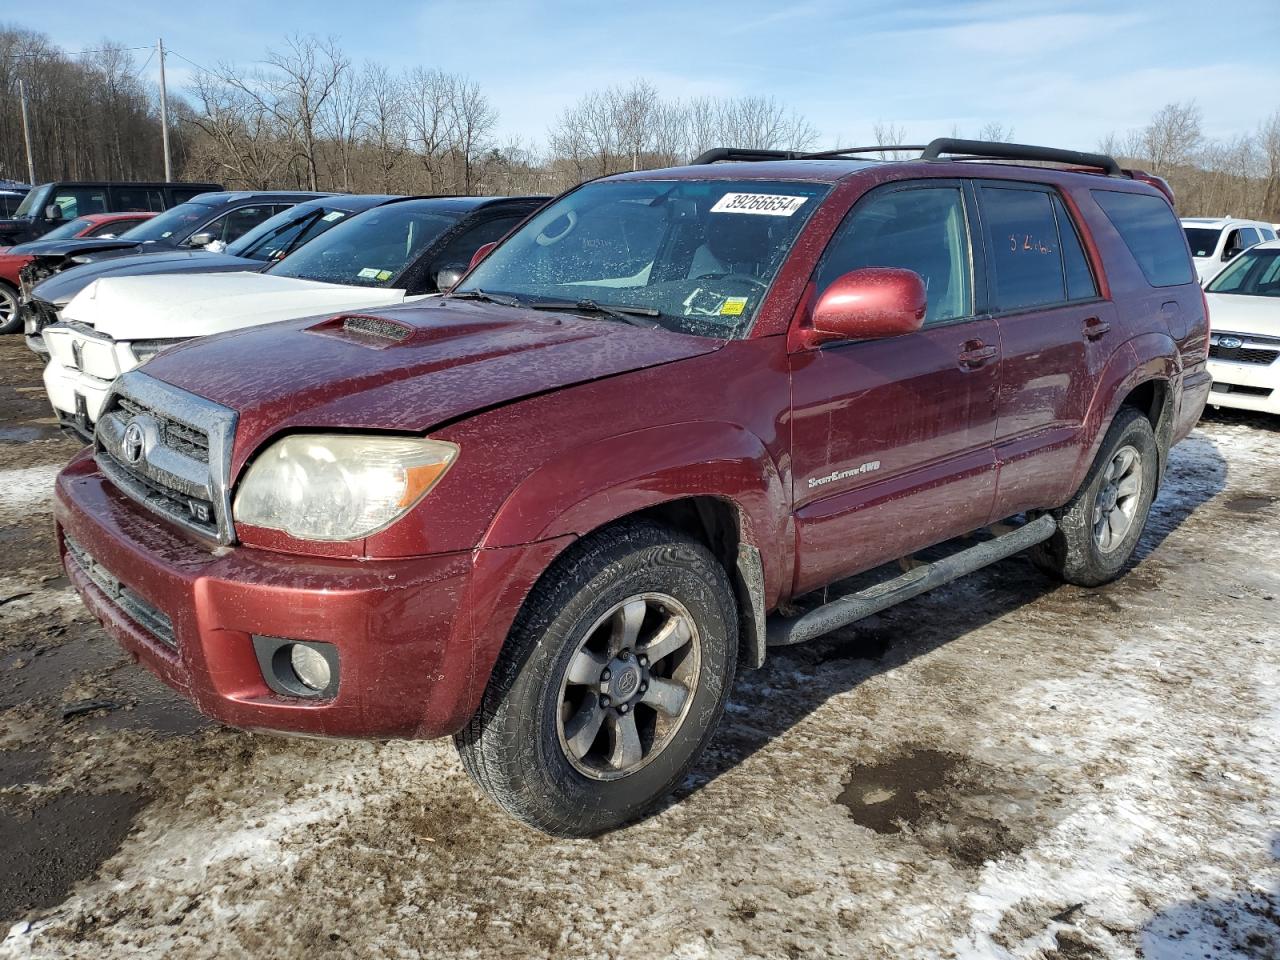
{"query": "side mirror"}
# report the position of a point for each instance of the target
(447, 277)
(869, 304)
(53, 212)
(481, 252)
(202, 239)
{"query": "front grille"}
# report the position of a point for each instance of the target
(183, 437)
(170, 451)
(1241, 389)
(1243, 354)
(149, 617)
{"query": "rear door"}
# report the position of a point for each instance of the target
(892, 439)
(1055, 337)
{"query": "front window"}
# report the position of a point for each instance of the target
(371, 250)
(68, 230)
(1202, 240)
(175, 222)
(1256, 273)
(697, 256)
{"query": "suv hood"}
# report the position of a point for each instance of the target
(1236, 313)
(182, 305)
(61, 287)
(455, 358)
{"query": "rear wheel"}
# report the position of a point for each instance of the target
(10, 315)
(612, 682)
(1099, 529)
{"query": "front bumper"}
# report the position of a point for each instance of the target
(77, 397)
(1245, 386)
(402, 628)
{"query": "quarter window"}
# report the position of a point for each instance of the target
(1151, 232)
(922, 229)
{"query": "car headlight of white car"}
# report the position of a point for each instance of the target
(144, 350)
(337, 486)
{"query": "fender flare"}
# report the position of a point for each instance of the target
(592, 485)
(1142, 359)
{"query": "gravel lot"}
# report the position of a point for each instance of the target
(1003, 768)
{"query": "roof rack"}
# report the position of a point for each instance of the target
(941, 148)
(991, 150)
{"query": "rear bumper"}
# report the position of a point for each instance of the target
(407, 660)
(1245, 386)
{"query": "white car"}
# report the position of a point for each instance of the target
(1215, 241)
(395, 253)
(1244, 342)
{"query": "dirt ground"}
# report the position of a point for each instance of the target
(1003, 768)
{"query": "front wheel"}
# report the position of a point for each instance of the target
(1099, 529)
(10, 315)
(611, 683)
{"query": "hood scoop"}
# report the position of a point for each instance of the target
(376, 328)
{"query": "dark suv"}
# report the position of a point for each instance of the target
(208, 221)
(46, 206)
(551, 512)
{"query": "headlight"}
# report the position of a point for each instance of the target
(144, 350)
(337, 487)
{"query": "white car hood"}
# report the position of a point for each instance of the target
(1233, 313)
(196, 305)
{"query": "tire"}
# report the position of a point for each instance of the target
(530, 746)
(10, 315)
(1085, 550)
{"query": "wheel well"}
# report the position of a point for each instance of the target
(719, 525)
(1154, 399)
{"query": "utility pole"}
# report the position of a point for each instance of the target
(26, 132)
(164, 115)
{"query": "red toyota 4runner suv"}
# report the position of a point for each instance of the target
(549, 512)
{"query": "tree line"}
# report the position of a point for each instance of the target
(309, 117)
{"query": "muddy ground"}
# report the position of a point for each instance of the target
(1003, 768)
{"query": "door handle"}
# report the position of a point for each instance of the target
(1095, 327)
(976, 353)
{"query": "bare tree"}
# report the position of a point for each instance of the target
(428, 99)
(472, 119)
(1172, 137)
(383, 122)
(888, 134)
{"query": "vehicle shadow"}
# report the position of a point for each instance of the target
(1244, 925)
(795, 681)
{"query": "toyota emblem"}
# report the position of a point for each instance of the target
(132, 448)
(1230, 343)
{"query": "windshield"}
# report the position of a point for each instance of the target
(176, 222)
(33, 201)
(69, 229)
(1255, 273)
(1202, 240)
(698, 255)
(370, 250)
(275, 238)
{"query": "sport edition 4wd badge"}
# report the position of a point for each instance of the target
(868, 467)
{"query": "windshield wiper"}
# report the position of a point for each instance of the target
(478, 294)
(618, 311)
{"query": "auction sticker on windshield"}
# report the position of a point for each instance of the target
(769, 204)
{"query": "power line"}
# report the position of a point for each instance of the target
(66, 53)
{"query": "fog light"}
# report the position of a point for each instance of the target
(310, 666)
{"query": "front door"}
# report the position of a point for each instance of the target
(892, 439)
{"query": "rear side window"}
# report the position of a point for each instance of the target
(1152, 234)
(1022, 242)
(922, 229)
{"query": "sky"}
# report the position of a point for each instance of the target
(1059, 72)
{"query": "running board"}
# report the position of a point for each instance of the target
(784, 631)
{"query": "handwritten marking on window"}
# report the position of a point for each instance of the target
(1028, 244)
